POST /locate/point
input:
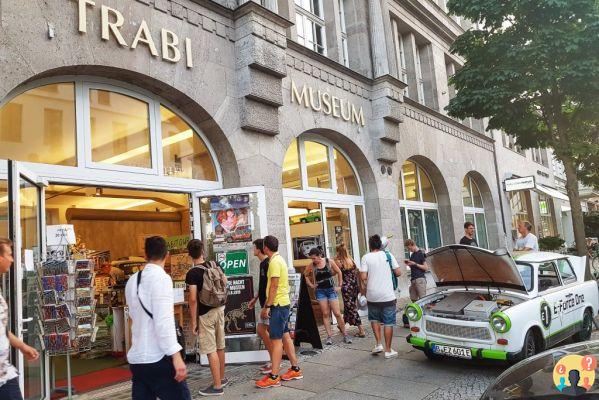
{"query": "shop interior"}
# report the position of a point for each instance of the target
(111, 226)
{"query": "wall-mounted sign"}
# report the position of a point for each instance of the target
(234, 262)
(528, 182)
(113, 20)
(177, 243)
(60, 235)
(322, 101)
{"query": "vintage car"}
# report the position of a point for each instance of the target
(489, 305)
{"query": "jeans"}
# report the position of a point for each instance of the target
(11, 390)
(326, 294)
(382, 313)
(279, 321)
(157, 380)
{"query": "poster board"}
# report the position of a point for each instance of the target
(239, 318)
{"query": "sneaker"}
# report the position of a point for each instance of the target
(329, 340)
(390, 354)
(211, 391)
(268, 382)
(292, 375)
(378, 349)
(224, 382)
(347, 339)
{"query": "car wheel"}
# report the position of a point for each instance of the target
(587, 327)
(316, 219)
(303, 220)
(530, 347)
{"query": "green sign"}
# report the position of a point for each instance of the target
(234, 262)
(177, 242)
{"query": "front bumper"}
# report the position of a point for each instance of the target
(477, 354)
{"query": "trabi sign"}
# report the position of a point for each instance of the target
(234, 262)
(512, 185)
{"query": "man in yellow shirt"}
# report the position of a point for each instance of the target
(277, 308)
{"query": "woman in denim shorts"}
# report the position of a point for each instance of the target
(319, 276)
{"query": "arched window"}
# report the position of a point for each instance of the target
(474, 210)
(419, 208)
(314, 165)
(87, 124)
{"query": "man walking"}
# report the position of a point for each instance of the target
(211, 317)
(277, 309)
(262, 329)
(468, 238)
(376, 272)
(154, 358)
(527, 240)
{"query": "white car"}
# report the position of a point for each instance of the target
(490, 306)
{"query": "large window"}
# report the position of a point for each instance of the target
(309, 21)
(519, 201)
(89, 124)
(400, 55)
(474, 210)
(315, 165)
(419, 209)
(546, 216)
(343, 33)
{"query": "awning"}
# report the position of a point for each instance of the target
(551, 192)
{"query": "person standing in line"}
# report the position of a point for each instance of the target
(376, 273)
(319, 276)
(418, 268)
(9, 377)
(211, 329)
(154, 358)
(527, 240)
(277, 309)
(260, 297)
(350, 289)
(468, 238)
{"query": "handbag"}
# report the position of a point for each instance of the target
(393, 277)
(178, 329)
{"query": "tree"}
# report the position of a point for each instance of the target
(532, 68)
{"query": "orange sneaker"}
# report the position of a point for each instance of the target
(292, 375)
(268, 382)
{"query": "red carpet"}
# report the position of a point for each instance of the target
(98, 379)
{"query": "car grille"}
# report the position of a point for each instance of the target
(464, 332)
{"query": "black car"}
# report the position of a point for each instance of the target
(533, 378)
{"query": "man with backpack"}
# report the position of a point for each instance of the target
(157, 367)
(207, 297)
(377, 272)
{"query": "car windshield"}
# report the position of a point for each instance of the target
(525, 271)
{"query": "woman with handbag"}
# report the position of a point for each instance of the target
(350, 289)
(319, 276)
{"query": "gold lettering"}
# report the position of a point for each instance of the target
(295, 95)
(170, 41)
(312, 100)
(147, 38)
(188, 55)
(83, 14)
(113, 27)
(358, 117)
(348, 111)
(326, 100)
(336, 102)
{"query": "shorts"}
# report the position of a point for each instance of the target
(382, 313)
(417, 289)
(212, 331)
(326, 294)
(279, 322)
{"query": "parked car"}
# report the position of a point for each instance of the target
(540, 377)
(490, 306)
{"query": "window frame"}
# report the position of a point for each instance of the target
(557, 274)
(343, 28)
(400, 55)
(314, 20)
(474, 211)
(573, 279)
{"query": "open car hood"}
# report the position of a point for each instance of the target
(459, 265)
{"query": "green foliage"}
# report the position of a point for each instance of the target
(550, 243)
(591, 224)
(533, 68)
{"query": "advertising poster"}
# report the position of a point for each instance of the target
(231, 218)
(303, 245)
(234, 262)
(239, 319)
(294, 290)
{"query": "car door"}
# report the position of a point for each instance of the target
(572, 305)
(551, 294)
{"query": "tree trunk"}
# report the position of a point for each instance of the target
(574, 196)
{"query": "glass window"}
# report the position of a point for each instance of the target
(410, 180)
(566, 271)
(526, 274)
(404, 229)
(291, 168)
(317, 165)
(466, 194)
(478, 199)
(121, 133)
(481, 230)
(416, 227)
(185, 154)
(347, 183)
(428, 193)
(433, 234)
(548, 276)
(361, 230)
(39, 126)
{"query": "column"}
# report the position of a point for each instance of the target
(380, 62)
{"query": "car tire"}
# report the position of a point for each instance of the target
(587, 327)
(303, 220)
(529, 348)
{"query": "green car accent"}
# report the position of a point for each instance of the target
(508, 322)
(418, 310)
(484, 353)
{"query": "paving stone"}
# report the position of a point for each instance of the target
(388, 388)
(338, 394)
(319, 378)
(249, 391)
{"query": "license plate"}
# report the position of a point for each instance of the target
(452, 351)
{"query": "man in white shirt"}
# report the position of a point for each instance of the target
(527, 241)
(155, 360)
(376, 271)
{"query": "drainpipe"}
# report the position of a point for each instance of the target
(500, 192)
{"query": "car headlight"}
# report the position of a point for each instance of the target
(414, 312)
(500, 322)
